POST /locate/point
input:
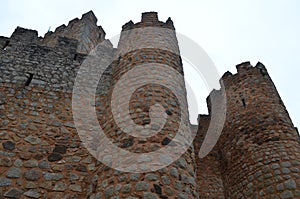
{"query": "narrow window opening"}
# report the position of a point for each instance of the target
(75, 57)
(243, 101)
(5, 45)
(29, 79)
(95, 187)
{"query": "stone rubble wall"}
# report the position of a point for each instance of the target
(209, 177)
(53, 68)
(42, 156)
(137, 47)
(85, 30)
(258, 151)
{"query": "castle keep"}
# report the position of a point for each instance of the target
(42, 155)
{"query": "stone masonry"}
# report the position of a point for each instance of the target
(42, 155)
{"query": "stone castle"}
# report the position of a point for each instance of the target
(42, 156)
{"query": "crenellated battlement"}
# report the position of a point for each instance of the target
(85, 30)
(50, 62)
(243, 67)
(246, 147)
(89, 16)
(32, 64)
(149, 19)
(256, 123)
(24, 35)
(244, 70)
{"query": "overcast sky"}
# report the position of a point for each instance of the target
(231, 31)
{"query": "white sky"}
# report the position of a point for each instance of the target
(231, 31)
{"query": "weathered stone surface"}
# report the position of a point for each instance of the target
(33, 140)
(18, 163)
(149, 195)
(6, 162)
(181, 163)
(53, 157)
(126, 188)
(151, 177)
(32, 175)
(44, 165)
(30, 185)
(59, 168)
(30, 163)
(46, 185)
(41, 154)
(174, 172)
(32, 193)
(8, 145)
(60, 186)
(127, 143)
(13, 173)
(109, 191)
(166, 141)
(81, 168)
(73, 176)
(169, 191)
(290, 184)
(134, 176)
(25, 156)
(7, 154)
(157, 189)
(142, 186)
(287, 194)
(75, 187)
(5, 182)
(53, 176)
(60, 149)
(165, 180)
(13, 193)
(183, 196)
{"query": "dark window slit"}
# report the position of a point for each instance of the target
(243, 101)
(29, 79)
(75, 57)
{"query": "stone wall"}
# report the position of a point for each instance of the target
(260, 146)
(209, 177)
(55, 68)
(42, 155)
(85, 30)
(139, 47)
(258, 151)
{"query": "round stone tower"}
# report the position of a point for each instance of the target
(259, 146)
(146, 115)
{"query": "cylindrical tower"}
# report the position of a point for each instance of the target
(145, 111)
(259, 146)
